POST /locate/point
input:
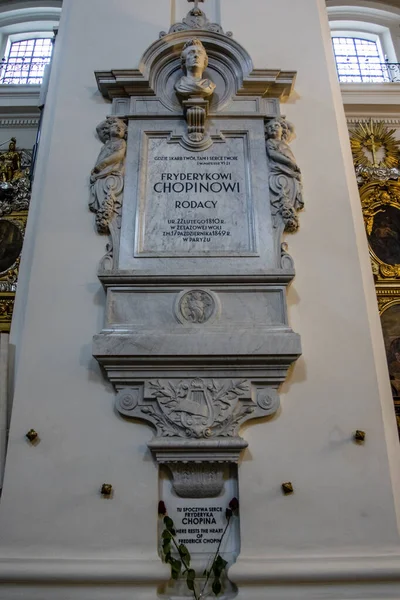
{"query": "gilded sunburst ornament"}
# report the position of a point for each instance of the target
(374, 145)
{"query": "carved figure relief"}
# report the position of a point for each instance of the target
(107, 177)
(194, 62)
(197, 306)
(285, 175)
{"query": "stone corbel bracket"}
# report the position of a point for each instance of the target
(196, 111)
(197, 425)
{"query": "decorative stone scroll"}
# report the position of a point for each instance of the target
(285, 175)
(197, 418)
(196, 19)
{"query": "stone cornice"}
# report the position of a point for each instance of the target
(19, 99)
(19, 123)
(374, 94)
(256, 571)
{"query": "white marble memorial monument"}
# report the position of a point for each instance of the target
(195, 399)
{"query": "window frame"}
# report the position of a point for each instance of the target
(367, 37)
(17, 38)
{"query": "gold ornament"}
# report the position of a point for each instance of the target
(373, 145)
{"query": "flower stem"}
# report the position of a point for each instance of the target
(215, 557)
(196, 597)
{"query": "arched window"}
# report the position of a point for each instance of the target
(25, 61)
(359, 60)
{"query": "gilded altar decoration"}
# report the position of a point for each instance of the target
(376, 155)
(389, 307)
(375, 152)
(11, 240)
(285, 175)
(15, 194)
(10, 163)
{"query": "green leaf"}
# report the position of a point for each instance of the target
(166, 547)
(176, 567)
(220, 562)
(216, 586)
(185, 554)
(218, 566)
(166, 535)
(169, 524)
(190, 578)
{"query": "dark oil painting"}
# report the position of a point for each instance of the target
(385, 235)
(390, 320)
(10, 244)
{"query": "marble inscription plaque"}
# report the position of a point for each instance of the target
(195, 203)
(200, 525)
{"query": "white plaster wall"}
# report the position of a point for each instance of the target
(25, 137)
(343, 493)
(345, 498)
(59, 388)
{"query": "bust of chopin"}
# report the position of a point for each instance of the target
(194, 61)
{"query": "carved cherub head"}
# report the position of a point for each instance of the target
(288, 133)
(274, 129)
(112, 127)
(280, 129)
(194, 57)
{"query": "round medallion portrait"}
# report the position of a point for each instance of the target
(10, 244)
(385, 235)
(197, 306)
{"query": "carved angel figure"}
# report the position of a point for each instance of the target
(194, 61)
(107, 177)
(285, 175)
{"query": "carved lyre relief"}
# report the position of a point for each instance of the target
(107, 177)
(285, 175)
